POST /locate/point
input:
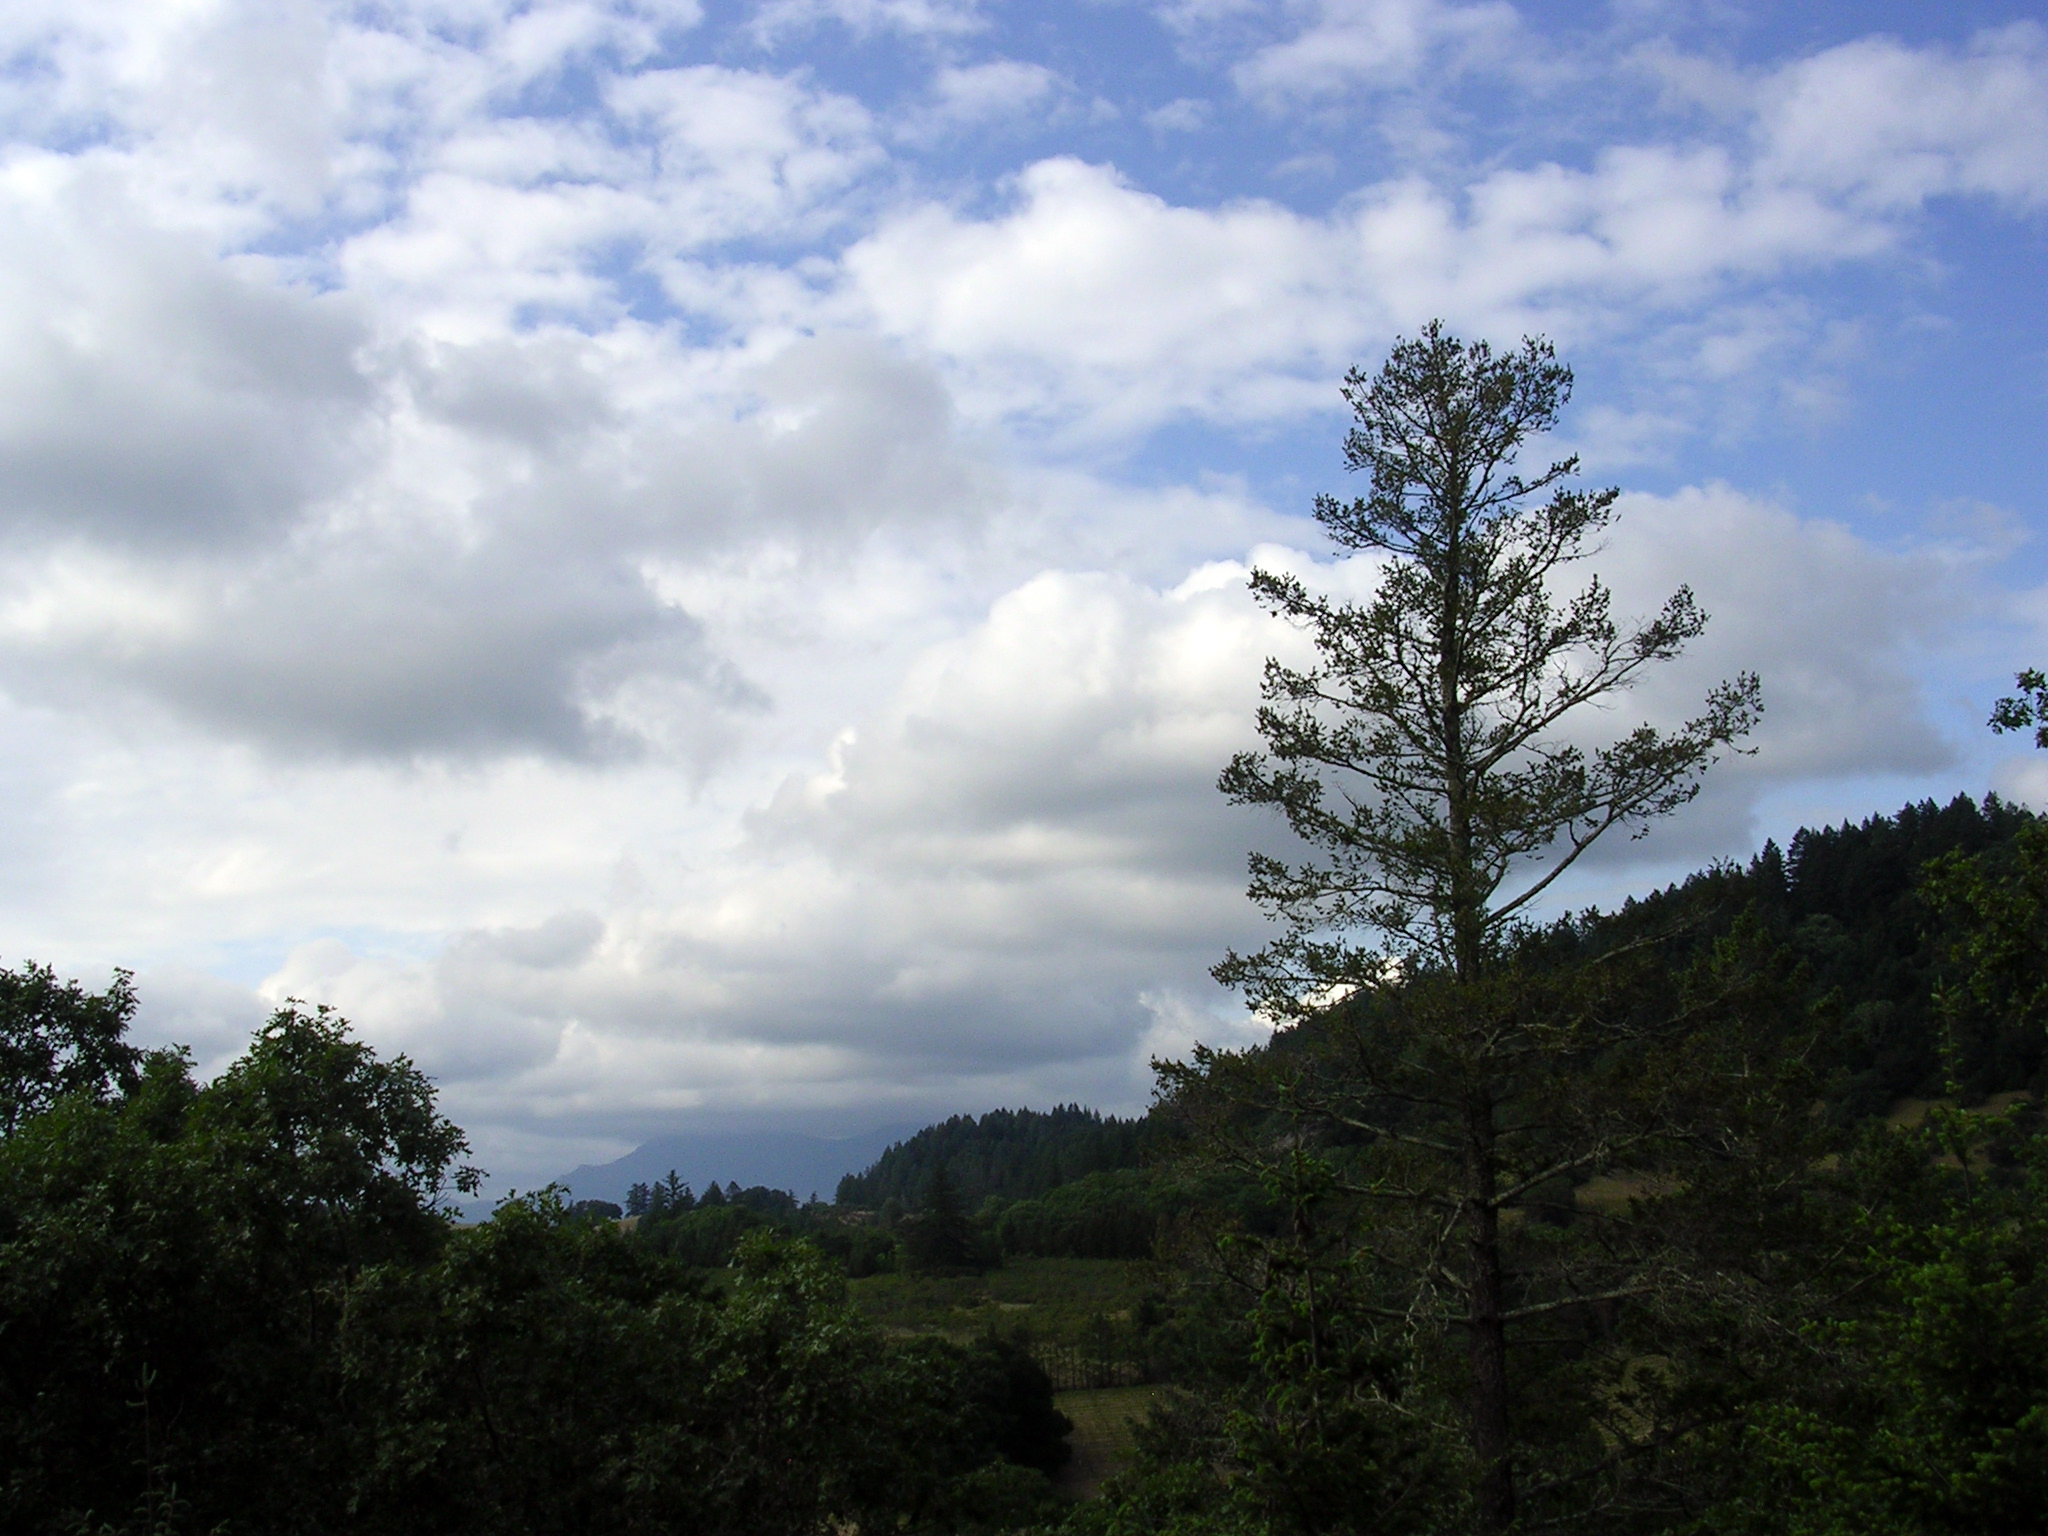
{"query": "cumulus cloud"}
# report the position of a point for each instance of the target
(1098, 305)
(991, 91)
(1841, 632)
(1887, 126)
(516, 606)
(1376, 42)
(1011, 875)
(615, 550)
(180, 1006)
(150, 395)
(778, 19)
(1007, 878)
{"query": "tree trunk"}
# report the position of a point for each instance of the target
(1486, 1344)
(1487, 1336)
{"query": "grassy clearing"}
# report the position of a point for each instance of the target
(1103, 1421)
(1612, 1192)
(1911, 1114)
(1056, 1300)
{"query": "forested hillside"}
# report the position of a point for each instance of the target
(1848, 904)
(1845, 903)
(1014, 1154)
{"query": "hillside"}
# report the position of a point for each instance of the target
(1845, 901)
(1012, 1154)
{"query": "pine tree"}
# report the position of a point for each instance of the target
(1433, 760)
(941, 1238)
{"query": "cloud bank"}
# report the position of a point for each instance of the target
(690, 565)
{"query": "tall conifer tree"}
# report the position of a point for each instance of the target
(1437, 761)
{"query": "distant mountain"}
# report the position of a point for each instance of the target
(789, 1160)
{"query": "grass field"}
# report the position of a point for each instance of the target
(1102, 1433)
(1055, 1300)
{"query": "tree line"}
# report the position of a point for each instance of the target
(242, 1306)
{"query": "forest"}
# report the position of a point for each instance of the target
(1722, 1211)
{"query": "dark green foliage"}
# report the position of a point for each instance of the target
(1012, 1394)
(704, 1232)
(998, 1398)
(174, 1267)
(1854, 913)
(940, 1239)
(1016, 1154)
(57, 1038)
(1848, 903)
(705, 1237)
(1056, 1306)
(1248, 1464)
(1844, 1351)
(1114, 1215)
(237, 1307)
(1922, 1407)
(1995, 904)
(2028, 708)
(863, 1250)
(546, 1376)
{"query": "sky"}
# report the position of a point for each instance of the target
(683, 564)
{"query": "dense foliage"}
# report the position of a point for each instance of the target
(1015, 1154)
(1872, 936)
(1114, 1215)
(241, 1306)
(1846, 1333)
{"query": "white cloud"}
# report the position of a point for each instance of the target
(1092, 300)
(153, 395)
(981, 891)
(1377, 43)
(1092, 295)
(517, 217)
(1887, 127)
(777, 20)
(1000, 88)
(1184, 114)
(1836, 626)
(1842, 633)
(1095, 305)
(487, 580)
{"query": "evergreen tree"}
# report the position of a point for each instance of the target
(1432, 761)
(941, 1238)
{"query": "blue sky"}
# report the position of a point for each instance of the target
(684, 564)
